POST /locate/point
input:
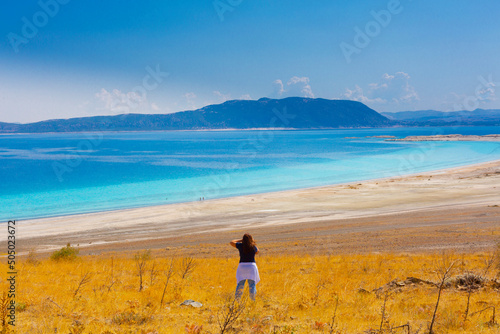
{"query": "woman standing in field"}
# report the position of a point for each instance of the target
(247, 268)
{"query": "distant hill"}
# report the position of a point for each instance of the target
(433, 117)
(293, 112)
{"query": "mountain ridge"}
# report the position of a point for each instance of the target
(446, 118)
(292, 112)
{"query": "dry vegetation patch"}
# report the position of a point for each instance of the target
(375, 293)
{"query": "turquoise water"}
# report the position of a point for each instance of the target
(46, 175)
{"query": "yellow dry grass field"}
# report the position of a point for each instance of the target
(143, 292)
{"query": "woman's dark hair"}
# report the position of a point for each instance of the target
(248, 243)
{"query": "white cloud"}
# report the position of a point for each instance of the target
(245, 97)
(278, 89)
(391, 89)
(486, 93)
(357, 94)
(155, 107)
(190, 100)
(296, 86)
(483, 97)
(116, 101)
(221, 98)
(299, 87)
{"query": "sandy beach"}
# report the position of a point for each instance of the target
(493, 137)
(457, 208)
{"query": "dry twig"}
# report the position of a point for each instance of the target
(229, 313)
(141, 260)
(85, 279)
(444, 271)
(187, 266)
(168, 273)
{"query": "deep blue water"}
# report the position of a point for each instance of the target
(57, 174)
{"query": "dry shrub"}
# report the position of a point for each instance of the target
(4, 314)
(133, 315)
(229, 312)
(67, 253)
(193, 329)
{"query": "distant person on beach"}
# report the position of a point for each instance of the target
(247, 268)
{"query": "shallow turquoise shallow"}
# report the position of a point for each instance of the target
(46, 175)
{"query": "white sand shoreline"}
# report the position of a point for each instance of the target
(437, 171)
(455, 137)
(445, 188)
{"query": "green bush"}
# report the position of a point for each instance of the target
(65, 253)
(20, 306)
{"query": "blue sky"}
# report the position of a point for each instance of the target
(68, 58)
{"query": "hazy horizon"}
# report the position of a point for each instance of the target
(80, 116)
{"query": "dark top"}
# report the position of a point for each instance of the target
(246, 257)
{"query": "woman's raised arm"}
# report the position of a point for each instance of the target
(234, 242)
